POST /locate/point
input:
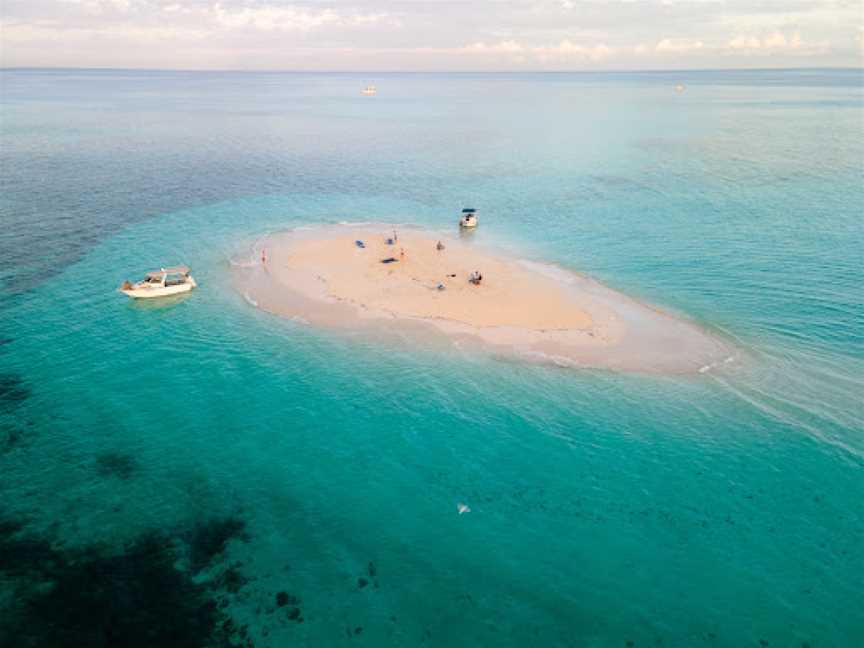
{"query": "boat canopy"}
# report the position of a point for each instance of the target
(468, 211)
(184, 270)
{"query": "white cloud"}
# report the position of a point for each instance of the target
(47, 33)
(376, 19)
(269, 18)
(176, 8)
(503, 47)
(563, 52)
(386, 34)
(272, 18)
(567, 50)
(97, 7)
(745, 43)
(775, 43)
(678, 45)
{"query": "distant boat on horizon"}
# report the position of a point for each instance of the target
(369, 91)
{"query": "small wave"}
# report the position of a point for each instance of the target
(249, 300)
(243, 264)
(712, 365)
(551, 359)
(552, 271)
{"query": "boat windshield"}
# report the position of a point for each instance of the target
(160, 274)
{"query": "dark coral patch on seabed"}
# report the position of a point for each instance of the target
(209, 539)
(116, 464)
(13, 391)
(88, 598)
(11, 435)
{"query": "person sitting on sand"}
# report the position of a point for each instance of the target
(475, 278)
(440, 246)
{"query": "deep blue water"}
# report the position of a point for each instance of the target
(158, 458)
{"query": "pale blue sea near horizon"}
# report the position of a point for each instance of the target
(721, 509)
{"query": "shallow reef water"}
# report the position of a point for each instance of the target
(196, 472)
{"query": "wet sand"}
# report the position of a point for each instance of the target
(538, 312)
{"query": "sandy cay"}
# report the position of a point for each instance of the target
(322, 277)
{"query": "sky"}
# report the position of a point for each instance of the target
(404, 35)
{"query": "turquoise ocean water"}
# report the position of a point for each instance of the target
(198, 472)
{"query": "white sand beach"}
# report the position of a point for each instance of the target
(538, 312)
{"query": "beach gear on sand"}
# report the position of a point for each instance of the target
(441, 287)
(389, 241)
(389, 260)
(360, 244)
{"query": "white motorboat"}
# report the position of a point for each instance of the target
(160, 283)
(469, 218)
(369, 91)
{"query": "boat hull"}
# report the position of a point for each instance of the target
(152, 293)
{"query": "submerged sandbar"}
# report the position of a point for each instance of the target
(337, 277)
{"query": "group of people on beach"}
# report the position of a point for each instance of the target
(474, 278)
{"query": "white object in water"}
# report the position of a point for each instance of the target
(469, 218)
(680, 88)
(369, 91)
(161, 283)
(463, 508)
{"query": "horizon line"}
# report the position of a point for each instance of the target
(442, 71)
